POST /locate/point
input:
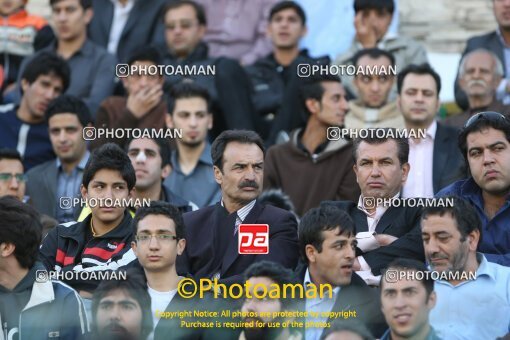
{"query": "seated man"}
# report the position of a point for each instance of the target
(384, 232)
(212, 233)
(24, 127)
(327, 244)
(373, 107)
(12, 177)
(144, 107)
(480, 73)
(92, 67)
(325, 166)
(372, 21)
(473, 294)
(229, 87)
(435, 160)
(31, 303)
(67, 116)
(275, 78)
(121, 309)
(407, 301)
(151, 160)
(485, 143)
(192, 174)
(102, 240)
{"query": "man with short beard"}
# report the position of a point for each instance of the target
(467, 307)
(268, 274)
(121, 310)
(485, 144)
(480, 73)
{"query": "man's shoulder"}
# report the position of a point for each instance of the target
(481, 40)
(7, 109)
(453, 189)
(39, 169)
(344, 205)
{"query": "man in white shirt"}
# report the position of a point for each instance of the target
(435, 160)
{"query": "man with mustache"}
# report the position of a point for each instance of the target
(327, 244)
(473, 294)
(212, 233)
(121, 309)
(485, 144)
(480, 72)
(268, 274)
(24, 127)
(435, 159)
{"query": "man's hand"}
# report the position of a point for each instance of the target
(365, 32)
(385, 239)
(141, 102)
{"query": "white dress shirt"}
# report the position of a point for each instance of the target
(119, 20)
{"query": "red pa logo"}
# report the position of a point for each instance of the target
(253, 239)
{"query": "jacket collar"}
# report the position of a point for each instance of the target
(77, 230)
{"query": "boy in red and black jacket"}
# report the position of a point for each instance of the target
(102, 240)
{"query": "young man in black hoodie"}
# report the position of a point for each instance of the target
(32, 306)
(102, 240)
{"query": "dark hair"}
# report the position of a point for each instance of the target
(373, 139)
(147, 53)
(20, 225)
(47, 63)
(188, 89)
(109, 156)
(276, 198)
(160, 208)
(163, 146)
(378, 5)
(312, 88)
(373, 53)
(85, 4)
(481, 124)
(286, 4)
(315, 221)
(421, 69)
(136, 287)
(410, 265)
(277, 273)
(69, 104)
(353, 327)
(199, 9)
(6, 153)
(241, 136)
(462, 212)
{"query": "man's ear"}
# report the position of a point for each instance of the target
(169, 121)
(310, 253)
(6, 249)
(218, 175)
(83, 192)
(24, 85)
(312, 105)
(165, 172)
(473, 239)
(181, 245)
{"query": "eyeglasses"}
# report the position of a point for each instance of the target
(159, 237)
(487, 115)
(7, 177)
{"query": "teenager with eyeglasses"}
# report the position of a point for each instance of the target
(485, 143)
(12, 177)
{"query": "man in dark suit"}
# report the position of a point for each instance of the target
(435, 159)
(212, 232)
(50, 183)
(142, 27)
(384, 231)
(494, 41)
(327, 244)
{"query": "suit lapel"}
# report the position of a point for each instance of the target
(360, 220)
(105, 17)
(385, 221)
(232, 249)
(50, 181)
(439, 156)
(135, 13)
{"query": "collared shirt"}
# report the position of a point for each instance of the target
(495, 244)
(199, 186)
(318, 305)
(421, 151)
(119, 20)
(242, 213)
(370, 243)
(474, 309)
(501, 93)
(68, 185)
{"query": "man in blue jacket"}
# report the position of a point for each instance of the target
(32, 306)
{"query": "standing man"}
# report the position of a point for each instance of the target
(473, 294)
(24, 127)
(408, 300)
(325, 166)
(192, 168)
(485, 143)
(212, 232)
(435, 160)
(48, 182)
